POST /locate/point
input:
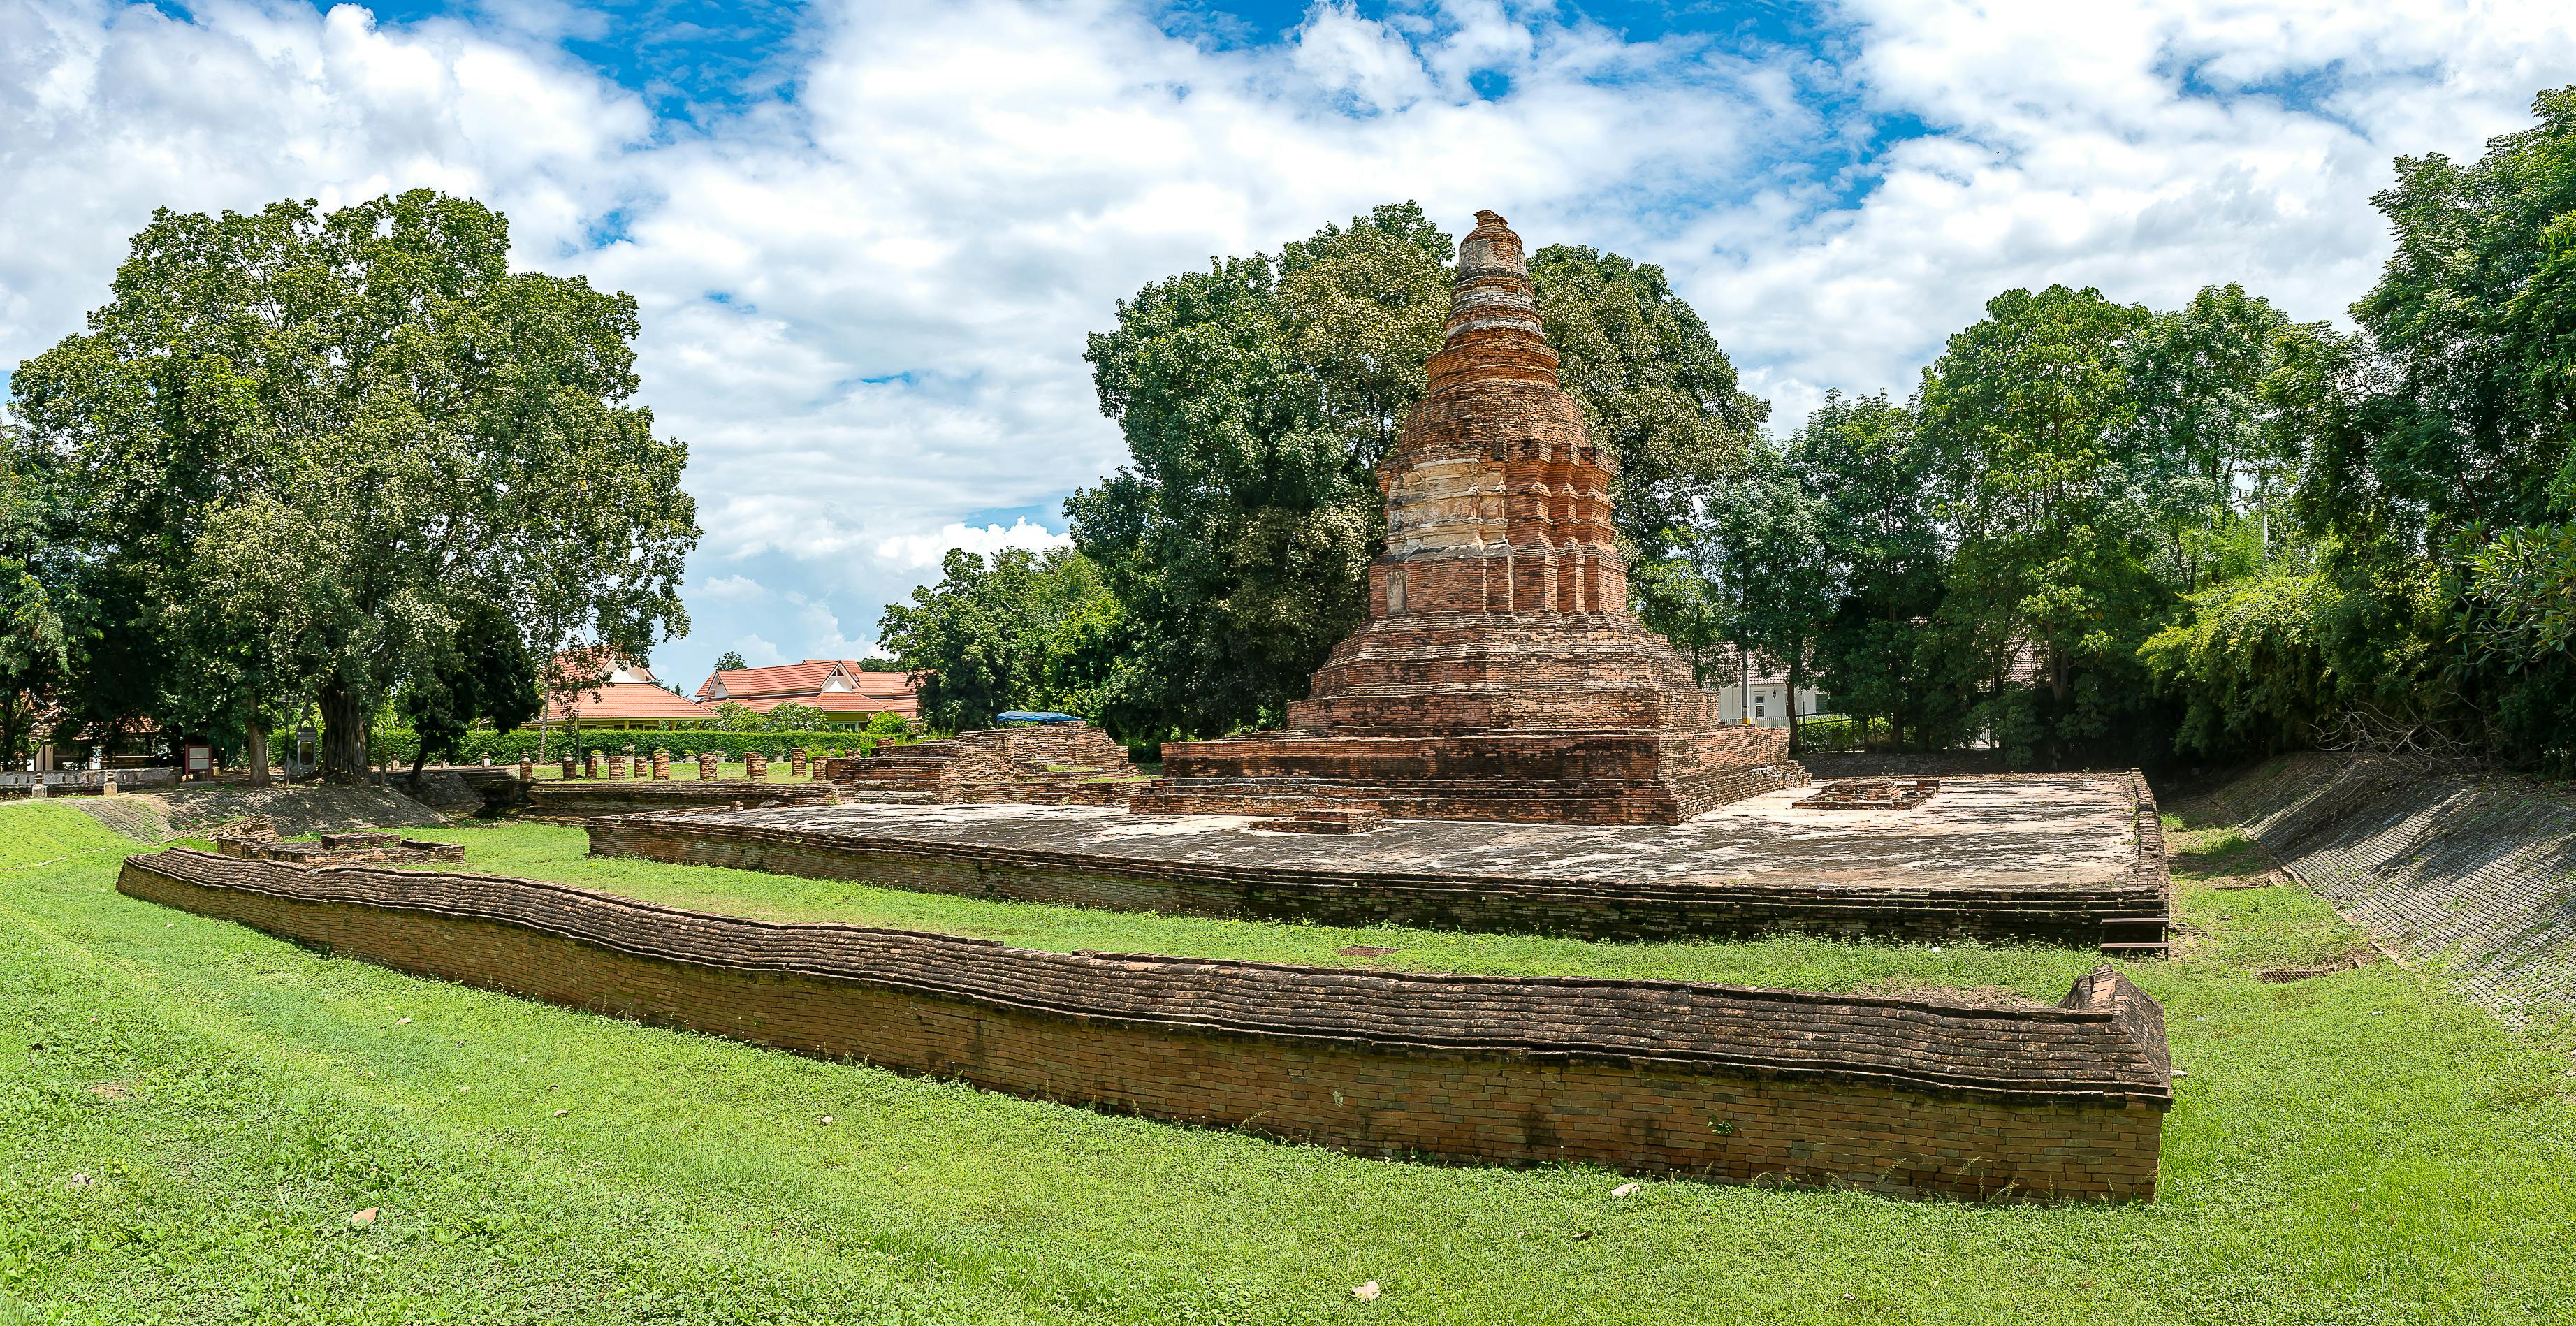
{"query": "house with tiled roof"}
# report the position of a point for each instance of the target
(628, 697)
(844, 691)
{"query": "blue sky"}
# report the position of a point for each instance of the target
(868, 238)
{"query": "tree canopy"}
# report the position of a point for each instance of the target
(307, 458)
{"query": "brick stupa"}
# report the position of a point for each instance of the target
(1500, 675)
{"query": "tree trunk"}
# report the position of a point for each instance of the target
(344, 735)
(255, 736)
(1794, 672)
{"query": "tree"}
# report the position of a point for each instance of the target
(731, 661)
(2205, 454)
(35, 643)
(795, 717)
(311, 447)
(2456, 451)
(1255, 397)
(486, 675)
(1006, 633)
(2029, 411)
(1871, 476)
(1765, 527)
(735, 716)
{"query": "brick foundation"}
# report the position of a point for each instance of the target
(1903, 1097)
(1644, 905)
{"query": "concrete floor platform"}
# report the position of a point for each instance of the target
(2050, 858)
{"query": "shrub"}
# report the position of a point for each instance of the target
(397, 745)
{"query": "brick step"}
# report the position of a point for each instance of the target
(2136, 936)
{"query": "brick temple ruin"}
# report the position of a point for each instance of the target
(1500, 674)
(1043, 764)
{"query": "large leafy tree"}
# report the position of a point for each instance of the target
(1012, 631)
(1872, 477)
(309, 449)
(485, 674)
(2456, 449)
(1766, 530)
(2205, 453)
(2029, 410)
(1256, 398)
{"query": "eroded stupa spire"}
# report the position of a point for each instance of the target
(1493, 327)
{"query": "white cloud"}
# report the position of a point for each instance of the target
(758, 652)
(730, 589)
(919, 551)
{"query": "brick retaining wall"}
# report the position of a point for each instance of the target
(2475, 874)
(1900, 1096)
(580, 798)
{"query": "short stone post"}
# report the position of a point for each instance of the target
(796, 766)
(567, 767)
(709, 763)
(755, 765)
(36, 790)
(662, 762)
(527, 769)
(106, 783)
(627, 765)
(590, 764)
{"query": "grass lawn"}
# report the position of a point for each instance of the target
(2355, 1147)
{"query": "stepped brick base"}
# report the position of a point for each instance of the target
(1906, 1097)
(1528, 777)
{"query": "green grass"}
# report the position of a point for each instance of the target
(2357, 1147)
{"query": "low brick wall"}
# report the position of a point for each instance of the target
(1904, 1097)
(1524, 777)
(2066, 911)
(577, 799)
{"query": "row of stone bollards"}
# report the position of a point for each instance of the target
(615, 764)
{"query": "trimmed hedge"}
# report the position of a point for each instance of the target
(397, 745)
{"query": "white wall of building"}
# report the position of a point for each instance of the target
(1770, 703)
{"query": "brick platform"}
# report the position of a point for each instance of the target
(577, 799)
(1500, 675)
(1908, 1097)
(261, 843)
(2052, 858)
(1055, 764)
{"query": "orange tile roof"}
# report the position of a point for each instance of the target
(785, 679)
(627, 702)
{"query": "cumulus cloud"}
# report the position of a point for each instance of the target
(865, 303)
(915, 552)
(729, 589)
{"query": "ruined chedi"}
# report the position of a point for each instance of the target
(1500, 675)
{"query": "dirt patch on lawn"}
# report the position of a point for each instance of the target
(189, 811)
(1974, 996)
